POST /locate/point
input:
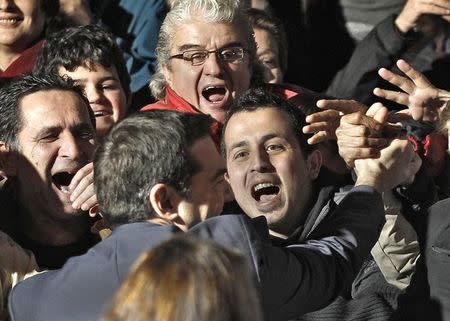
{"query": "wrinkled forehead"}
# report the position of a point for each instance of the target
(52, 107)
(211, 35)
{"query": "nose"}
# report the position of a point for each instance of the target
(260, 162)
(213, 66)
(93, 94)
(5, 4)
(70, 147)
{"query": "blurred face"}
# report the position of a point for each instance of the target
(267, 170)
(207, 189)
(105, 94)
(21, 22)
(267, 53)
(212, 86)
(56, 140)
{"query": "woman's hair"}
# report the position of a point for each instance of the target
(187, 279)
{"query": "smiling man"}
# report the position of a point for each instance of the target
(206, 54)
(47, 136)
(272, 169)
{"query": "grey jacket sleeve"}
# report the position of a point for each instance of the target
(380, 48)
(305, 277)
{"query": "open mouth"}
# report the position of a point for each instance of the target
(9, 21)
(214, 94)
(265, 191)
(101, 113)
(62, 181)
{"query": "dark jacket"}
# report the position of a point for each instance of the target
(293, 280)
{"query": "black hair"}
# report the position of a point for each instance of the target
(258, 98)
(12, 93)
(82, 46)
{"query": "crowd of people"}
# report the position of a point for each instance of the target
(158, 161)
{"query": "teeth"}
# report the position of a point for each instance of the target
(262, 185)
(65, 189)
(212, 87)
(10, 20)
(98, 113)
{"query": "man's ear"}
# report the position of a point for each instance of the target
(7, 161)
(164, 201)
(167, 74)
(314, 163)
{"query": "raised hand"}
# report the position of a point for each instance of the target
(414, 10)
(424, 101)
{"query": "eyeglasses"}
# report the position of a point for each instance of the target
(197, 56)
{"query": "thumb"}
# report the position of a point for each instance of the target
(378, 112)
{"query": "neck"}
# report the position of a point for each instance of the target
(7, 56)
(51, 232)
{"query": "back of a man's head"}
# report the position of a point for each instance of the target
(143, 150)
(12, 94)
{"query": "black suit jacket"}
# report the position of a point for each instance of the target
(293, 280)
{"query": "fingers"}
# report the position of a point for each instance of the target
(85, 200)
(321, 136)
(323, 124)
(438, 7)
(82, 188)
(342, 105)
(85, 172)
(378, 112)
(358, 136)
(323, 116)
(370, 125)
(395, 96)
(417, 77)
(401, 82)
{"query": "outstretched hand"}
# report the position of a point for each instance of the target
(424, 101)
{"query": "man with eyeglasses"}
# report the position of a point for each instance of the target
(206, 56)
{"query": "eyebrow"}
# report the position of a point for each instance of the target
(238, 144)
(53, 129)
(245, 142)
(47, 130)
(83, 80)
(219, 172)
(194, 46)
(82, 126)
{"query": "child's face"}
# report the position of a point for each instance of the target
(104, 91)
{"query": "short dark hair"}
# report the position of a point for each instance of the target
(12, 93)
(142, 150)
(82, 46)
(258, 98)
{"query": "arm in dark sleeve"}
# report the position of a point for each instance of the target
(305, 277)
(380, 48)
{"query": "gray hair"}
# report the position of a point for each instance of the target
(185, 11)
